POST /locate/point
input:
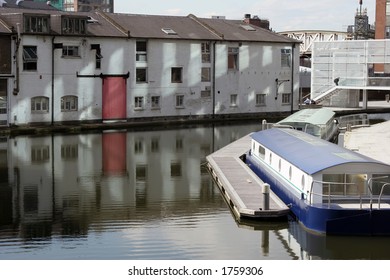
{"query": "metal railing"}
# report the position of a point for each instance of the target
(359, 197)
(353, 121)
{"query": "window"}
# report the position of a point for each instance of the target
(169, 31)
(179, 101)
(98, 56)
(69, 152)
(286, 98)
(36, 24)
(70, 51)
(261, 152)
(387, 32)
(73, 25)
(141, 75)
(155, 102)
(30, 58)
(138, 102)
(233, 59)
(155, 145)
(141, 54)
(69, 103)
(141, 173)
(206, 52)
(138, 146)
(286, 57)
(40, 153)
(176, 75)
(206, 93)
(175, 169)
(206, 74)
(260, 99)
(40, 104)
(233, 100)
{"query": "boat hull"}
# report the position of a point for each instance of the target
(321, 218)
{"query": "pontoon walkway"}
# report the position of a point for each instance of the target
(240, 186)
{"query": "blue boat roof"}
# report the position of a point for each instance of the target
(309, 153)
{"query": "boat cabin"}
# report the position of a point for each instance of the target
(320, 122)
(319, 171)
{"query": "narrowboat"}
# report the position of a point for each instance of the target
(329, 189)
(320, 122)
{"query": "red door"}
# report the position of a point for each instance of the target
(114, 98)
(114, 153)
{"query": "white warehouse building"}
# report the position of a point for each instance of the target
(92, 67)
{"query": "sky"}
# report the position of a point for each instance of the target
(284, 15)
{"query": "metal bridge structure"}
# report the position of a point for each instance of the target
(308, 37)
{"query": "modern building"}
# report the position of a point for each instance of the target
(63, 67)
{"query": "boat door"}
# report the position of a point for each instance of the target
(114, 98)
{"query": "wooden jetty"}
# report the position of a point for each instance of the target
(240, 186)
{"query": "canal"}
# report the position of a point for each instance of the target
(127, 195)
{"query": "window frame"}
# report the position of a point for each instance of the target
(70, 51)
(139, 103)
(141, 52)
(285, 58)
(145, 75)
(206, 52)
(72, 100)
(177, 75)
(179, 101)
(233, 58)
(261, 99)
(205, 74)
(155, 105)
(39, 105)
(234, 100)
(30, 58)
(286, 98)
(36, 23)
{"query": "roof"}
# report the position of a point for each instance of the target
(309, 153)
(315, 116)
(233, 30)
(151, 26)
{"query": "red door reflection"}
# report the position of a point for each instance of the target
(114, 153)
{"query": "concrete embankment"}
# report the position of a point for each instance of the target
(372, 141)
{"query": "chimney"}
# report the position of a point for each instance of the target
(255, 20)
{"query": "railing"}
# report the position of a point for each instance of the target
(356, 120)
(338, 199)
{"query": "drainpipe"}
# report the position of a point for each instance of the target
(292, 76)
(213, 78)
(16, 55)
(54, 46)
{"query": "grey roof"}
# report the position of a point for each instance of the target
(233, 30)
(150, 26)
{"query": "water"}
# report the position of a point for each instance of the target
(140, 195)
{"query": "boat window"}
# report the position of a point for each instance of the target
(280, 165)
(344, 184)
(261, 152)
(254, 146)
(270, 158)
(290, 173)
(303, 181)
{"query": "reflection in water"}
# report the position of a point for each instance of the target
(139, 195)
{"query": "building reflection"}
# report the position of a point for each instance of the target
(61, 185)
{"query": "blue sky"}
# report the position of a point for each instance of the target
(284, 15)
